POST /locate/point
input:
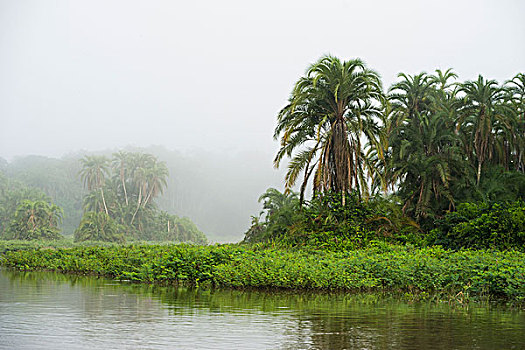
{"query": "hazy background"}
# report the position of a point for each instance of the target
(205, 79)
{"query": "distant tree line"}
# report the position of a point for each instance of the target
(118, 205)
(120, 201)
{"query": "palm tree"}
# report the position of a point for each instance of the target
(423, 153)
(140, 174)
(98, 226)
(442, 78)
(410, 96)
(156, 179)
(330, 114)
(93, 174)
(36, 219)
(120, 164)
(273, 201)
(424, 157)
(484, 121)
(515, 94)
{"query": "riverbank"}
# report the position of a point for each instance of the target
(431, 272)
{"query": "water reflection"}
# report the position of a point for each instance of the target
(49, 310)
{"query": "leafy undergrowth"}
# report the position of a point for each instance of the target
(444, 274)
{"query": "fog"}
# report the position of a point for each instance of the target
(207, 78)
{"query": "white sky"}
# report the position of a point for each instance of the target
(213, 74)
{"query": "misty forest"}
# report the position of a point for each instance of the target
(416, 188)
(262, 175)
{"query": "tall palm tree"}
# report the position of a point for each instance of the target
(423, 149)
(156, 179)
(93, 174)
(424, 157)
(141, 163)
(120, 162)
(484, 121)
(442, 79)
(329, 116)
(516, 97)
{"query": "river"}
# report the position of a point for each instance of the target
(45, 310)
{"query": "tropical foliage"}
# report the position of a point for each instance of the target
(27, 213)
(496, 225)
(280, 212)
(36, 220)
(99, 226)
(431, 142)
(435, 272)
(56, 178)
(330, 115)
(452, 142)
(120, 202)
(325, 222)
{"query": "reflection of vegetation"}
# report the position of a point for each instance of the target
(323, 320)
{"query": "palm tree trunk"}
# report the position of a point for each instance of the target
(138, 205)
(104, 201)
(147, 197)
(478, 176)
(124, 187)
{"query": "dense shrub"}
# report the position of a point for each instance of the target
(496, 225)
(331, 222)
(98, 226)
(162, 226)
(380, 267)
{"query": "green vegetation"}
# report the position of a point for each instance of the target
(404, 184)
(119, 204)
(497, 226)
(396, 166)
(26, 213)
(330, 113)
(56, 178)
(36, 220)
(99, 226)
(434, 271)
(120, 201)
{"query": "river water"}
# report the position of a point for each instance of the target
(44, 310)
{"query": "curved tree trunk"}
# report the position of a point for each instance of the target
(104, 201)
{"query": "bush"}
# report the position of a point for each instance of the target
(98, 226)
(380, 267)
(162, 226)
(325, 222)
(496, 226)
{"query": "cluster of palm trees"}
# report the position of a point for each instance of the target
(430, 140)
(124, 187)
(36, 220)
(26, 212)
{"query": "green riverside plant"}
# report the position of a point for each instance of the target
(380, 267)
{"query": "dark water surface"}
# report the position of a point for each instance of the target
(43, 310)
